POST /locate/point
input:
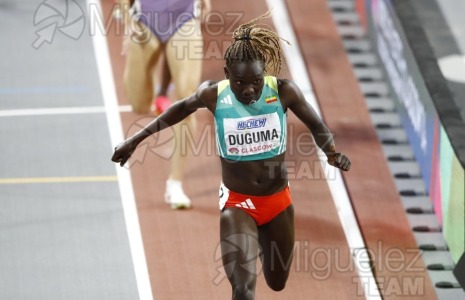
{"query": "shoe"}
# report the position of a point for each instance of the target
(161, 104)
(174, 195)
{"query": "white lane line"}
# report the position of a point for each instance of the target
(70, 179)
(337, 187)
(116, 135)
(58, 111)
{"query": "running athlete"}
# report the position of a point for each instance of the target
(250, 108)
(172, 28)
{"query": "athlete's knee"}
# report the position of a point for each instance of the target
(140, 104)
(277, 285)
(140, 109)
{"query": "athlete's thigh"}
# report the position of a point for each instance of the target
(184, 53)
(239, 246)
(141, 58)
(277, 243)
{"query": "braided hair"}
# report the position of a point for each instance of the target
(255, 41)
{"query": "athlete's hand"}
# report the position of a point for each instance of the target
(339, 160)
(123, 152)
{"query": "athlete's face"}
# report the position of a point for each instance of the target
(246, 80)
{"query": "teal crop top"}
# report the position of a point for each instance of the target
(250, 132)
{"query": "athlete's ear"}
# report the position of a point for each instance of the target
(226, 72)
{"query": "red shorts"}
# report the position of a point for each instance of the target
(262, 208)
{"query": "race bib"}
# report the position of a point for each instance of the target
(252, 135)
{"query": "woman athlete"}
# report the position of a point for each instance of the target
(250, 118)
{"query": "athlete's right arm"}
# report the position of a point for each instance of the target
(205, 97)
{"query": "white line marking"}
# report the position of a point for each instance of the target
(71, 179)
(125, 183)
(58, 111)
(337, 187)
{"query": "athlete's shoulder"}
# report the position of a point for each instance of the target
(284, 82)
(286, 86)
(207, 91)
(208, 86)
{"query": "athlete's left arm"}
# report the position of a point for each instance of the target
(292, 97)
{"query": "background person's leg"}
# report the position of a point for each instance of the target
(141, 59)
(162, 101)
(184, 53)
(239, 251)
